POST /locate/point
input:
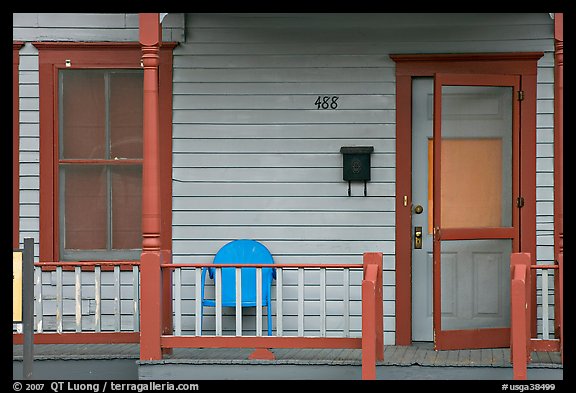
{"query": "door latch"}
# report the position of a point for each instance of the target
(417, 237)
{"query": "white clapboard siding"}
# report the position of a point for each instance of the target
(88, 27)
(253, 157)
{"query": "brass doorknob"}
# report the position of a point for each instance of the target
(418, 209)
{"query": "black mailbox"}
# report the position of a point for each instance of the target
(356, 164)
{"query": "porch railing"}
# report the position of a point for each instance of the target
(58, 285)
(523, 340)
(364, 290)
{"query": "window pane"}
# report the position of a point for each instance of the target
(82, 114)
(126, 207)
(85, 207)
(471, 183)
(476, 163)
(126, 105)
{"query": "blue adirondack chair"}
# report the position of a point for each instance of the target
(242, 251)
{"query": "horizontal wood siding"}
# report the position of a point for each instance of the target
(88, 27)
(254, 158)
(29, 146)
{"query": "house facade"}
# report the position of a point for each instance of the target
(460, 114)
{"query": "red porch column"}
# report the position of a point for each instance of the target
(150, 272)
(520, 314)
(376, 259)
(558, 152)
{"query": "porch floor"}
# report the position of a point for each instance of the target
(421, 354)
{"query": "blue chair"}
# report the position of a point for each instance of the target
(241, 251)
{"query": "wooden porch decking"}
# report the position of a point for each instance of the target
(421, 354)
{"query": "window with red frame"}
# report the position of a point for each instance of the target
(100, 163)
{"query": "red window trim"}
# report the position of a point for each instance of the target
(16, 144)
(411, 65)
(53, 56)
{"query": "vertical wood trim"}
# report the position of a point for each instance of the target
(322, 302)
(258, 301)
(238, 280)
(59, 299)
(198, 301)
(46, 87)
(150, 37)
(545, 312)
(403, 246)
(78, 297)
(300, 301)
(436, 197)
(279, 310)
(97, 298)
(136, 297)
(346, 300)
(218, 300)
(117, 294)
(149, 31)
(516, 163)
(177, 301)
(165, 108)
(167, 305)
(39, 299)
(528, 181)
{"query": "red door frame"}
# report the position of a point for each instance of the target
(412, 65)
(470, 338)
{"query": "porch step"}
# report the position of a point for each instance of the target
(193, 371)
(411, 362)
(400, 362)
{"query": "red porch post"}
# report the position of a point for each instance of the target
(151, 278)
(519, 310)
(376, 259)
(558, 153)
(372, 314)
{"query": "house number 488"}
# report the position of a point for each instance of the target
(326, 102)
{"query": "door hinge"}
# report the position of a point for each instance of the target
(520, 202)
(520, 95)
(436, 233)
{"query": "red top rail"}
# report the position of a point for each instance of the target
(87, 263)
(263, 265)
(544, 267)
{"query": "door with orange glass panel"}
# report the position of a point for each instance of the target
(473, 182)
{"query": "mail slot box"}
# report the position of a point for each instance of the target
(356, 162)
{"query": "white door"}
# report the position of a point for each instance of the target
(422, 101)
